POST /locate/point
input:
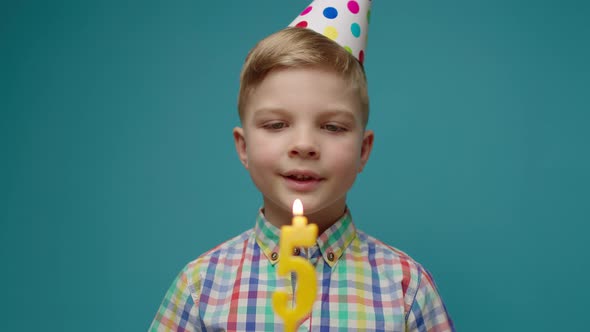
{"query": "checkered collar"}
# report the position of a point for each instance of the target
(331, 243)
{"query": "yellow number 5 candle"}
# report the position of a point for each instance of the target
(299, 234)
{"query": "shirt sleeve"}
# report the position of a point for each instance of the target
(178, 311)
(427, 311)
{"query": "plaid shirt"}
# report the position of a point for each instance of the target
(363, 285)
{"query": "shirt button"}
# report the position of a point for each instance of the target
(274, 256)
(296, 251)
(331, 257)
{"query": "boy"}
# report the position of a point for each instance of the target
(303, 105)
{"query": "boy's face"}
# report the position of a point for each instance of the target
(303, 137)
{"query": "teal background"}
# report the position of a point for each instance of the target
(118, 166)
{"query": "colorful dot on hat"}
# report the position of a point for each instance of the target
(355, 28)
(343, 21)
(353, 6)
(306, 10)
(330, 12)
(331, 32)
(302, 24)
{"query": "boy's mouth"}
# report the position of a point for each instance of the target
(302, 181)
(302, 176)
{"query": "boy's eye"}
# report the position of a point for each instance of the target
(275, 125)
(333, 127)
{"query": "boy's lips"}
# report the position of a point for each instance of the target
(300, 180)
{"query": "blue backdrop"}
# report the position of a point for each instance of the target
(118, 165)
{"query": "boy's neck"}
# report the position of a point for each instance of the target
(323, 219)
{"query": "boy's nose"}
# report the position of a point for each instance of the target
(304, 152)
(304, 147)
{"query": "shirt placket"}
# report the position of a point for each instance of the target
(313, 255)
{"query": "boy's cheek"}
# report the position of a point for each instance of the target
(263, 154)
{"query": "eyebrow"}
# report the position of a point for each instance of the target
(347, 114)
(268, 111)
(330, 113)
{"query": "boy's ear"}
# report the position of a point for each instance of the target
(240, 142)
(366, 148)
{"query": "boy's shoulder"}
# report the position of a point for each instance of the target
(224, 253)
(382, 248)
(393, 260)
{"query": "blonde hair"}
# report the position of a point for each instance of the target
(296, 48)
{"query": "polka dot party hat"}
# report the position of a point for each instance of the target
(343, 21)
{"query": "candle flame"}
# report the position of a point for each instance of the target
(297, 207)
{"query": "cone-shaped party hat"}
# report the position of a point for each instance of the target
(346, 22)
